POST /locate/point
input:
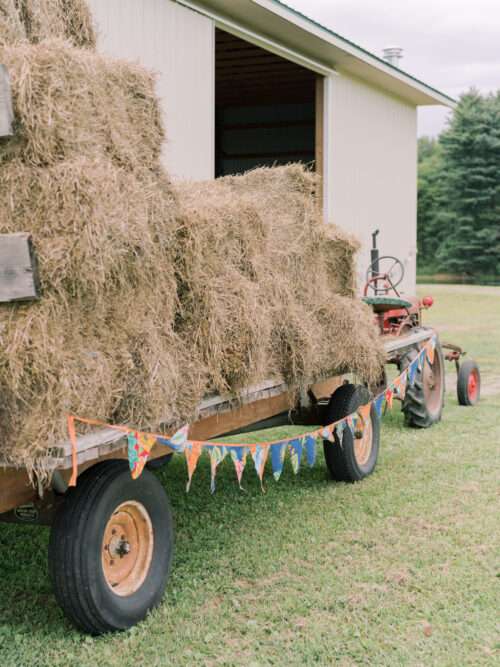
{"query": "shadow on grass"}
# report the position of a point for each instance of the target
(206, 525)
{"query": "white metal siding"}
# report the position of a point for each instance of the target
(371, 170)
(177, 44)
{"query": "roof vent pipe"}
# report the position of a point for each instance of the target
(393, 54)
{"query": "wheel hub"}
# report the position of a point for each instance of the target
(363, 444)
(127, 548)
(472, 386)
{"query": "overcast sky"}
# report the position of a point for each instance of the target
(449, 44)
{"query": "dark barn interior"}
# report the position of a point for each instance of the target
(266, 109)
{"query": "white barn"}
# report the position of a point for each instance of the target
(252, 82)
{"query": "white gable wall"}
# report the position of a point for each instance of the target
(371, 173)
(178, 44)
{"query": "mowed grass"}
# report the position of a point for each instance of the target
(402, 569)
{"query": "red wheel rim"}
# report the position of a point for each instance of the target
(473, 386)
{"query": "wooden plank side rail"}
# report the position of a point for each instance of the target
(217, 414)
(18, 269)
(6, 112)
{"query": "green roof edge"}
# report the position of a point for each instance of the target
(363, 50)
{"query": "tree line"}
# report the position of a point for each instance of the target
(459, 191)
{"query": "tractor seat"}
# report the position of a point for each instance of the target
(381, 304)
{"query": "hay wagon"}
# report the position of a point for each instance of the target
(112, 538)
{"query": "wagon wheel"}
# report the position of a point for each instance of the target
(111, 548)
(424, 401)
(468, 383)
(356, 457)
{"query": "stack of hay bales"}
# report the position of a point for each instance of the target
(82, 175)
(153, 295)
(265, 286)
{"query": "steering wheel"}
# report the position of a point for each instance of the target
(390, 274)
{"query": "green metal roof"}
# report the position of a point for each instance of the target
(360, 48)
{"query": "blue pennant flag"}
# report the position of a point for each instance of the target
(412, 372)
(310, 445)
(379, 404)
(278, 452)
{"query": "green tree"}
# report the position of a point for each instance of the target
(430, 232)
(468, 206)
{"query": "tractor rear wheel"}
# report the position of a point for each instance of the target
(424, 401)
(468, 383)
(353, 459)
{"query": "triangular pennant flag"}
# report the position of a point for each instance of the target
(364, 417)
(179, 439)
(350, 423)
(430, 348)
(412, 372)
(379, 404)
(278, 452)
(138, 449)
(295, 449)
(327, 433)
(310, 445)
(420, 359)
(396, 386)
(259, 456)
(403, 383)
(239, 457)
(388, 397)
(339, 430)
(217, 455)
(192, 452)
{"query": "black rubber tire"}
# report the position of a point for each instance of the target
(75, 548)
(159, 463)
(340, 458)
(416, 411)
(466, 369)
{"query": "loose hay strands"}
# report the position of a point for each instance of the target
(36, 20)
(69, 102)
(12, 28)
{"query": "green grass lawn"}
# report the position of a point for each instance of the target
(402, 569)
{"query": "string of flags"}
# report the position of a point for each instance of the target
(299, 448)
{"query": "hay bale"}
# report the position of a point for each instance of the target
(265, 286)
(101, 340)
(69, 102)
(37, 20)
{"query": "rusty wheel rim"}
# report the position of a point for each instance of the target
(473, 386)
(363, 446)
(127, 548)
(433, 384)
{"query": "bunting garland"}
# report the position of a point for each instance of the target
(140, 444)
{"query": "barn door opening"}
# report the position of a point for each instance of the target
(269, 110)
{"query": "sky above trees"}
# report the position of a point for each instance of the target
(452, 45)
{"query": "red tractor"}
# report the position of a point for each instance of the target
(401, 319)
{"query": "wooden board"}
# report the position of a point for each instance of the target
(6, 112)
(319, 138)
(18, 268)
